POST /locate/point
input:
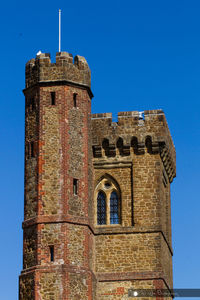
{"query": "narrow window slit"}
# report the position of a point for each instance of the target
(75, 99)
(33, 104)
(32, 154)
(27, 151)
(75, 186)
(53, 98)
(51, 250)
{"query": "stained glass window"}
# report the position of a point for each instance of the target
(114, 208)
(101, 208)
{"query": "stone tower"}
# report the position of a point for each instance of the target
(97, 219)
(134, 164)
(58, 177)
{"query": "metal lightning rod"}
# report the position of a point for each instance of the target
(59, 47)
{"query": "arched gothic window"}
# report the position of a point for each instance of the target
(101, 208)
(108, 201)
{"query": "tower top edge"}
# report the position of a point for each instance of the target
(135, 115)
(66, 67)
(133, 123)
(60, 56)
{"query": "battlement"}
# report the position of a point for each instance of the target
(134, 130)
(151, 121)
(41, 69)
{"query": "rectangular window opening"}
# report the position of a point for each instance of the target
(33, 104)
(53, 98)
(32, 149)
(75, 186)
(75, 99)
(51, 250)
(27, 151)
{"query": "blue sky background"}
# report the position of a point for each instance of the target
(143, 55)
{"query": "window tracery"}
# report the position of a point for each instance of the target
(108, 202)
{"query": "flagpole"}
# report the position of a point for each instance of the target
(59, 47)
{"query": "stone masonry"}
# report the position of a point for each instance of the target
(71, 159)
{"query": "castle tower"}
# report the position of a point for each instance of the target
(97, 217)
(134, 164)
(58, 180)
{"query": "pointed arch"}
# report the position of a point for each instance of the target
(109, 178)
(108, 201)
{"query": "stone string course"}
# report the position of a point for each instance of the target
(63, 142)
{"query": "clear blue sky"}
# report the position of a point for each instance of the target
(143, 55)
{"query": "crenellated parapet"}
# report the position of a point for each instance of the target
(65, 69)
(135, 131)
